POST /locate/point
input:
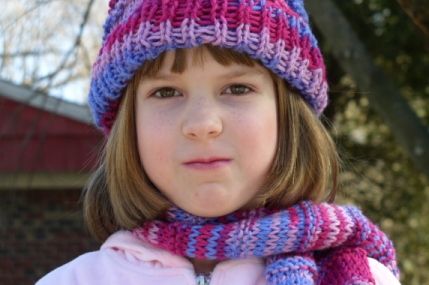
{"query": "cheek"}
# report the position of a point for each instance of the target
(267, 141)
(152, 141)
(261, 134)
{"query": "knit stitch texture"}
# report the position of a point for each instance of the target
(276, 32)
(304, 244)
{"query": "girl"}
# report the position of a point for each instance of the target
(217, 166)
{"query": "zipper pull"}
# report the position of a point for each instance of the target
(202, 279)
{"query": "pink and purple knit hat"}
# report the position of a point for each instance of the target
(276, 32)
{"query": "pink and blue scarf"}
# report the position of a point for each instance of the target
(303, 244)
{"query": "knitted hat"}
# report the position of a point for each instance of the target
(276, 32)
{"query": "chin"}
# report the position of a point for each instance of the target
(211, 212)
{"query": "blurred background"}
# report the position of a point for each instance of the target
(377, 56)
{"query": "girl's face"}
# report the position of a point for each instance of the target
(207, 137)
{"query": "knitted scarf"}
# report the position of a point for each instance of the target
(304, 244)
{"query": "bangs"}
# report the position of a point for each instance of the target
(223, 56)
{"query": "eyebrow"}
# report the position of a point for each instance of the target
(233, 74)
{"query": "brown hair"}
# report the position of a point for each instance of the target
(120, 195)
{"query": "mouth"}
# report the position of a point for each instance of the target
(208, 163)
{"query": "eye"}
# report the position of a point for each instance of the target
(237, 89)
(166, 92)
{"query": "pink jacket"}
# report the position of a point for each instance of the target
(125, 259)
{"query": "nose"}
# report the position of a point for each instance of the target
(202, 119)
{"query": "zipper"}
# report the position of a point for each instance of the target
(203, 278)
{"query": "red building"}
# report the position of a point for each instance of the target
(48, 147)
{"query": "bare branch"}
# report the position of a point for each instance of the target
(73, 48)
(25, 53)
(416, 20)
(413, 17)
(23, 15)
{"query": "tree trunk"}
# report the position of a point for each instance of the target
(383, 96)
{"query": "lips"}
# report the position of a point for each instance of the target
(208, 163)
